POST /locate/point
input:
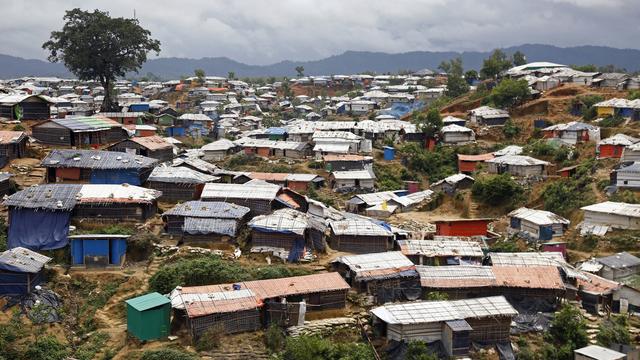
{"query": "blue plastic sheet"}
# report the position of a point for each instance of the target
(38, 230)
(115, 177)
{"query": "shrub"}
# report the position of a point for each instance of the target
(615, 330)
(436, 295)
(436, 165)
(47, 348)
(509, 93)
(625, 196)
(211, 338)
(18, 127)
(167, 354)
(418, 350)
(497, 190)
(568, 331)
(510, 129)
(611, 121)
(314, 347)
(274, 338)
(563, 196)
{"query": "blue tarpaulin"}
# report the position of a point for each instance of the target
(399, 110)
(38, 230)
(115, 177)
(297, 250)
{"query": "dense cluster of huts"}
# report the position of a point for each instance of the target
(108, 168)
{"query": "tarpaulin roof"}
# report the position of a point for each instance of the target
(152, 142)
(203, 226)
(209, 209)
(422, 312)
(441, 247)
(369, 266)
(461, 276)
(11, 137)
(96, 159)
(287, 221)
(359, 226)
(48, 196)
(180, 175)
(20, 259)
(538, 217)
(249, 190)
(614, 208)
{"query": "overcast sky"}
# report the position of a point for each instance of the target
(267, 31)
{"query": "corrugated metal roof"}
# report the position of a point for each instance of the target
(422, 312)
(454, 128)
(367, 266)
(11, 137)
(258, 291)
(209, 209)
(527, 259)
(20, 259)
(148, 301)
(366, 174)
(48, 196)
(152, 142)
(180, 175)
(531, 277)
(614, 208)
(107, 193)
(219, 145)
(619, 139)
(96, 159)
(600, 353)
(539, 217)
(571, 126)
(87, 124)
(441, 247)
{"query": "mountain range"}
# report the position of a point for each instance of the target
(349, 62)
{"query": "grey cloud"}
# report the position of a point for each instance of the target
(261, 32)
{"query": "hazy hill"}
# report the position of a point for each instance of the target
(349, 62)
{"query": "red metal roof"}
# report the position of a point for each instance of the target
(532, 277)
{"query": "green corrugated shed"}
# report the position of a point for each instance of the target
(148, 316)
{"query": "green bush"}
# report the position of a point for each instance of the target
(625, 196)
(497, 190)
(509, 93)
(564, 196)
(611, 121)
(211, 338)
(568, 331)
(314, 348)
(418, 350)
(274, 338)
(436, 165)
(47, 348)
(167, 354)
(614, 330)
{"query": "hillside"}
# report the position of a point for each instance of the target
(349, 62)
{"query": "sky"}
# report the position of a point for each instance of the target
(266, 31)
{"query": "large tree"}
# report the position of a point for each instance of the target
(519, 58)
(456, 84)
(95, 46)
(495, 64)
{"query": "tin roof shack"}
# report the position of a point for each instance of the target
(48, 206)
(537, 224)
(631, 153)
(453, 183)
(573, 132)
(442, 250)
(457, 135)
(178, 183)
(388, 276)
(79, 131)
(271, 148)
(455, 323)
(251, 305)
(618, 266)
(296, 182)
(20, 271)
(346, 162)
(488, 116)
(149, 316)
(469, 163)
(129, 117)
(13, 145)
(258, 196)
(614, 146)
(611, 215)
(595, 352)
(6, 185)
(154, 147)
(400, 200)
(463, 227)
(287, 231)
(115, 203)
(458, 282)
(360, 235)
(517, 165)
(626, 175)
(218, 150)
(98, 250)
(354, 180)
(97, 167)
(25, 107)
(205, 220)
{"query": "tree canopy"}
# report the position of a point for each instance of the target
(519, 58)
(456, 84)
(95, 46)
(300, 70)
(200, 74)
(430, 124)
(509, 93)
(495, 64)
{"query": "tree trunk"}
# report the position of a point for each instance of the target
(107, 103)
